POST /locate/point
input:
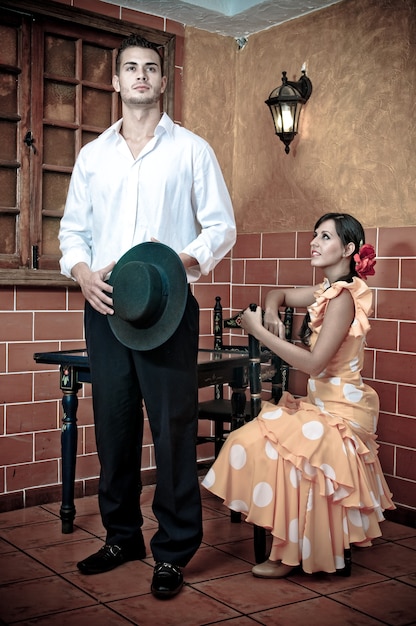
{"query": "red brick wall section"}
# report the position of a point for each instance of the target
(36, 320)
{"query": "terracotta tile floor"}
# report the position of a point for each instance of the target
(40, 584)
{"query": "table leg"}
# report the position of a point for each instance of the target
(69, 441)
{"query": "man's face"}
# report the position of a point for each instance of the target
(140, 81)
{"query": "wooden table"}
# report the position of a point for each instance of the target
(214, 367)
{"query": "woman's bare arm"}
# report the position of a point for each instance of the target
(338, 318)
(277, 298)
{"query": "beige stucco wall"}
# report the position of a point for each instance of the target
(209, 93)
(356, 147)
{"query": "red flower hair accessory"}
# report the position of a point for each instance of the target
(365, 261)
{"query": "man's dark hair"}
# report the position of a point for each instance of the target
(136, 41)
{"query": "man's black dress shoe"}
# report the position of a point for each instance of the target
(167, 580)
(108, 557)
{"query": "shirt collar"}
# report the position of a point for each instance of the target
(165, 125)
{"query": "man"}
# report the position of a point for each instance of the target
(144, 179)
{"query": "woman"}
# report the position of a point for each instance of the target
(307, 469)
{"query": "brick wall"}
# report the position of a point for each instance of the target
(36, 320)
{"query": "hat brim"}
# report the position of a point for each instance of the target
(172, 272)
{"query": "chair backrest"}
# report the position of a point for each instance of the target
(218, 327)
(219, 324)
(277, 372)
(280, 379)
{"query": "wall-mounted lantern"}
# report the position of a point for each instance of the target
(285, 103)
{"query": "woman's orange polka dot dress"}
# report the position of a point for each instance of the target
(308, 469)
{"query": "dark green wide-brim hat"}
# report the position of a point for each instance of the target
(149, 296)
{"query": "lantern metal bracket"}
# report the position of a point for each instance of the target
(303, 85)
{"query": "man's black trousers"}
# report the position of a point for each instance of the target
(166, 380)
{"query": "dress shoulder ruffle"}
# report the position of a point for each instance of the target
(363, 303)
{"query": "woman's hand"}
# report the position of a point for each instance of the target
(274, 324)
(251, 320)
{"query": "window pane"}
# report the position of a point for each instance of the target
(7, 187)
(59, 56)
(96, 65)
(8, 141)
(59, 101)
(7, 234)
(96, 108)
(87, 137)
(64, 96)
(58, 146)
(8, 94)
(8, 45)
(50, 242)
(55, 189)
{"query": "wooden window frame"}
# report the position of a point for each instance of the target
(61, 14)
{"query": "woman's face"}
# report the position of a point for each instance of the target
(327, 249)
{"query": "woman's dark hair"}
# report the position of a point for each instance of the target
(136, 41)
(348, 230)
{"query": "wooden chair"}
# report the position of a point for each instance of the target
(280, 383)
(229, 414)
(225, 414)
